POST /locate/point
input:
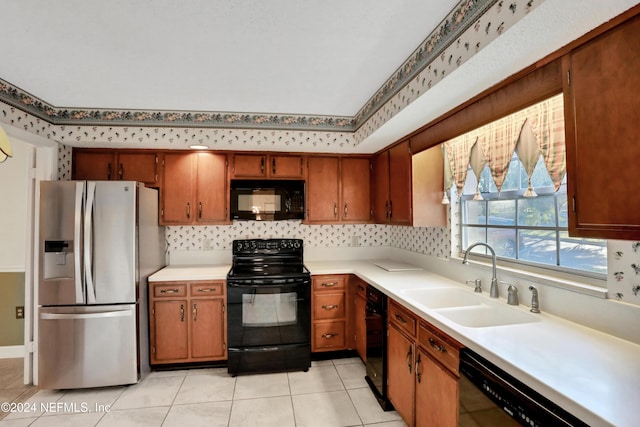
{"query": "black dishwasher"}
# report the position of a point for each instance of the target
(523, 405)
(376, 321)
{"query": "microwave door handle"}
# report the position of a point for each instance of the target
(77, 235)
(88, 242)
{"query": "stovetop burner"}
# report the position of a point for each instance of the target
(267, 259)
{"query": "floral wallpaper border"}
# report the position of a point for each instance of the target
(429, 63)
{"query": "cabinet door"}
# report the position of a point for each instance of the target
(436, 394)
(356, 189)
(322, 190)
(427, 188)
(400, 375)
(381, 188)
(177, 189)
(170, 331)
(94, 165)
(400, 184)
(360, 325)
(211, 188)
(141, 167)
(602, 112)
(286, 166)
(249, 166)
(207, 328)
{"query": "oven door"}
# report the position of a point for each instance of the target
(268, 315)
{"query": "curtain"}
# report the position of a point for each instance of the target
(531, 132)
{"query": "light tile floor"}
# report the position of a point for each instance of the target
(331, 393)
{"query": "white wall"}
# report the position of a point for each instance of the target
(14, 176)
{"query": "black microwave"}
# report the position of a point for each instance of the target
(267, 200)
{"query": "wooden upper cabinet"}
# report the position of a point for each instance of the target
(128, 165)
(427, 188)
(392, 185)
(94, 165)
(249, 166)
(400, 184)
(194, 188)
(267, 166)
(281, 166)
(141, 166)
(179, 178)
(381, 188)
(211, 188)
(355, 184)
(323, 189)
(338, 190)
(602, 113)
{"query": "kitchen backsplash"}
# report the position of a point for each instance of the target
(426, 240)
(623, 270)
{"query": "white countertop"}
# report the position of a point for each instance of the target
(592, 375)
(172, 273)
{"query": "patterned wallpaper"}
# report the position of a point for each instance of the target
(623, 270)
(432, 241)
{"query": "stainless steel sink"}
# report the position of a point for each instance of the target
(487, 315)
(435, 298)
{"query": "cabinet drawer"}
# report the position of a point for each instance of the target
(170, 290)
(329, 335)
(328, 306)
(207, 289)
(443, 349)
(403, 318)
(328, 283)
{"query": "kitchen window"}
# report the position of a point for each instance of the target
(528, 230)
(511, 181)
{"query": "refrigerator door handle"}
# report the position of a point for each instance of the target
(88, 243)
(77, 233)
(99, 315)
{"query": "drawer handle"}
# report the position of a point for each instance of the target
(400, 318)
(330, 307)
(169, 291)
(436, 346)
(207, 289)
(360, 288)
(329, 284)
(330, 335)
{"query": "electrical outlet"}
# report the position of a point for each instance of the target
(355, 240)
(207, 244)
(20, 312)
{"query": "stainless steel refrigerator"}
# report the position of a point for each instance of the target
(99, 241)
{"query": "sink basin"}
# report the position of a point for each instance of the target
(484, 315)
(442, 297)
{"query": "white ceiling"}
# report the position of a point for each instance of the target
(320, 57)
(316, 57)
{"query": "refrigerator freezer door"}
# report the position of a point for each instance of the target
(92, 346)
(60, 243)
(111, 242)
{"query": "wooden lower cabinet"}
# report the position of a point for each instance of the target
(400, 374)
(359, 318)
(423, 373)
(187, 322)
(329, 316)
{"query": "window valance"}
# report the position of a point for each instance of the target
(531, 132)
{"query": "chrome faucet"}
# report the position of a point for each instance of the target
(493, 291)
(535, 303)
